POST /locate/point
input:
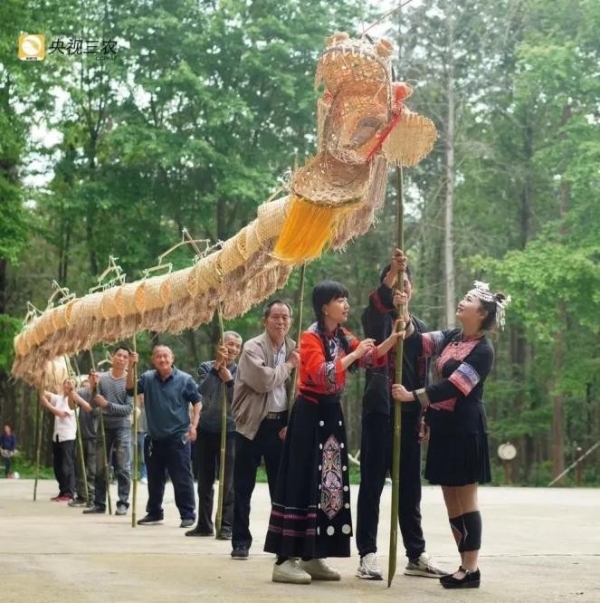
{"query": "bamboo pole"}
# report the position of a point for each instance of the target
(104, 451)
(396, 407)
(135, 443)
(222, 457)
(81, 457)
(574, 464)
(294, 373)
(79, 439)
(38, 447)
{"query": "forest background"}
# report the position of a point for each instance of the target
(150, 116)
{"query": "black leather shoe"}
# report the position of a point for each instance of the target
(94, 509)
(224, 534)
(240, 552)
(201, 533)
(470, 580)
(448, 576)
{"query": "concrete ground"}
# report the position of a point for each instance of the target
(539, 545)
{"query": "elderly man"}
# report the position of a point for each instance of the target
(168, 393)
(260, 406)
(214, 377)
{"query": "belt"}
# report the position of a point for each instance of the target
(276, 415)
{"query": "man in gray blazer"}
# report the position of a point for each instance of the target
(260, 411)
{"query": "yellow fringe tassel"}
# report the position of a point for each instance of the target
(308, 227)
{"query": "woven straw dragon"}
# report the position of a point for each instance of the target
(363, 126)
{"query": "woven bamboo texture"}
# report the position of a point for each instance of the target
(358, 131)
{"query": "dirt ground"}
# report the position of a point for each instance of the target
(539, 545)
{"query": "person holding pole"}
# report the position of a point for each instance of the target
(213, 377)
(260, 411)
(86, 467)
(310, 516)
(458, 454)
(63, 439)
(116, 406)
(377, 430)
(168, 393)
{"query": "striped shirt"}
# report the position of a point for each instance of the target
(120, 405)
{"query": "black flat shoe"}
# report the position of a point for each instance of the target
(470, 580)
(448, 576)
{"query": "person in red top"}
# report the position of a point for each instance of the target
(310, 516)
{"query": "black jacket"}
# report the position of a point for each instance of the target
(378, 321)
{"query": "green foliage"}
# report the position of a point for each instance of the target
(206, 107)
(9, 327)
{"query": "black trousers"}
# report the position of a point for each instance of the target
(174, 456)
(208, 459)
(89, 459)
(64, 466)
(375, 464)
(266, 445)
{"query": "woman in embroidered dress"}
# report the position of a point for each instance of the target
(310, 517)
(458, 455)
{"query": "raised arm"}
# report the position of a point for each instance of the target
(471, 371)
(48, 401)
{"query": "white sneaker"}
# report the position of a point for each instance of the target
(424, 568)
(319, 570)
(144, 480)
(369, 568)
(290, 572)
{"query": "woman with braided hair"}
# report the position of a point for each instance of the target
(458, 455)
(310, 517)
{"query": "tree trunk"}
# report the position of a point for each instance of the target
(449, 293)
(558, 449)
(558, 446)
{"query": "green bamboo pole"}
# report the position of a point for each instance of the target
(104, 451)
(294, 373)
(135, 446)
(222, 458)
(81, 457)
(396, 407)
(38, 447)
(79, 441)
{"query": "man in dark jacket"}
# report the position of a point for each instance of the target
(215, 375)
(377, 430)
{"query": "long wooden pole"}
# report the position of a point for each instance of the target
(222, 457)
(134, 427)
(397, 411)
(294, 373)
(80, 442)
(38, 446)
(81, 457)
(104, 451)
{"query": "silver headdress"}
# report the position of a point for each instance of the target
(482, 291)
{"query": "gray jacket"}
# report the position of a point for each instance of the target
(256, 376)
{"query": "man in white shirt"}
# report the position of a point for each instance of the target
(63, 439)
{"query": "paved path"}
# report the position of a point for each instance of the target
(540, 545)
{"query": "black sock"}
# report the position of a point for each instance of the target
(472, 531)
(281, 559)
(457, 527)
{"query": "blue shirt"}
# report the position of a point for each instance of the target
(167, 403)
(8, 442)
